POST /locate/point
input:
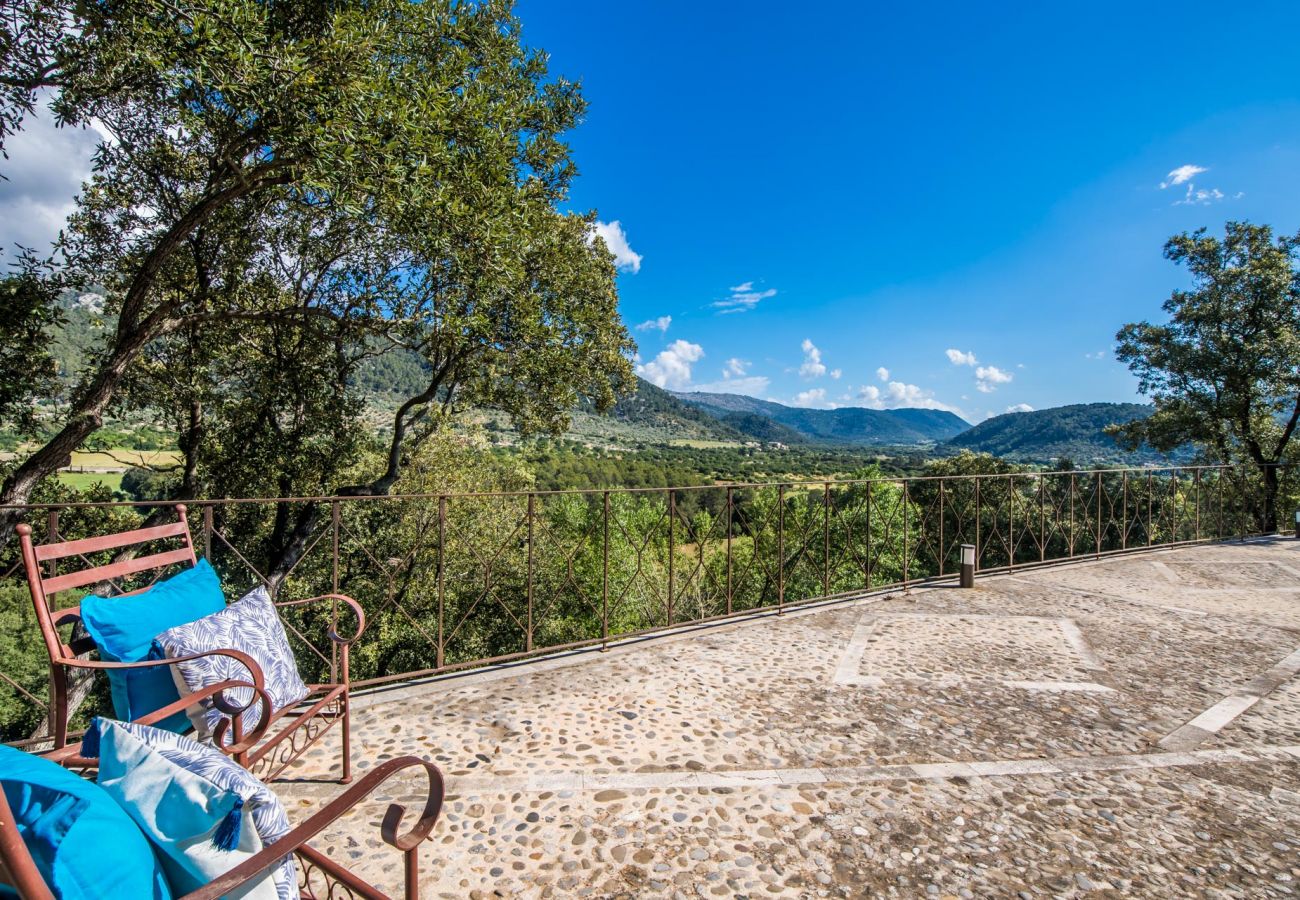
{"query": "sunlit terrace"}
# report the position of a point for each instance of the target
(1129, 725)
(783, 690)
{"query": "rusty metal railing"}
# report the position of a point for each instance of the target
(452, 581)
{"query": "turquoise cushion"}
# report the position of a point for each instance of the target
(83, 843)
(124, 628)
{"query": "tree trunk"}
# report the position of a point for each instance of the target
(1267, 517)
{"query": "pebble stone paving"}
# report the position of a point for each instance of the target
(928, 744)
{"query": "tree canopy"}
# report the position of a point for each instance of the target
(1224, 371)
(287, 188)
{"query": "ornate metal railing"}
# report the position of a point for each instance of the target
(453, 581)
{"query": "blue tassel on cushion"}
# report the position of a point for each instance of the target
(226, 837)
(90, 740)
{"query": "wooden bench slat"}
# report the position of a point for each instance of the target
(110, 541)
(116, 570)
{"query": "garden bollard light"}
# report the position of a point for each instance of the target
(1297, 524)
(968, 564)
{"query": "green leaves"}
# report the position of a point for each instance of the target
(1224, 371)
(307, 177)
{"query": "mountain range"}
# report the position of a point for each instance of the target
(1076, 432)
(848, 425)
(650, 415)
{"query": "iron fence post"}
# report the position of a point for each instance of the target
(207, 532)
(1073, 491)
(528, 634)
(672, 550)
(1123, 531)
(730, 501)
(906, 556)
(52, 535)
(943, 549)
(1198, 503)
(1097, 546)
(866, 573)
(826, 540)
(335, 516)
(1011, 522)
(1150, 494)
(1219, 528)
(442, 572)
(604, 583)
(780, 549)
(1042, 521)
(978, 550)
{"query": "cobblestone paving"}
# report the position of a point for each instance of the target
(958, 758)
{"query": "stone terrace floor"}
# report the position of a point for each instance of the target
(1124, 727)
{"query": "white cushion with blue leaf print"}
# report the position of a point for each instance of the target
(250, 625)
(202, 812)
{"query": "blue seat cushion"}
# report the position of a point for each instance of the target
(203, 813)
(83, 843)
(124, 628)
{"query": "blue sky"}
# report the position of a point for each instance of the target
(820, 201)
(892, 184)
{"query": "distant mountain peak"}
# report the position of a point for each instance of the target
(845, 425)
(1075, 431)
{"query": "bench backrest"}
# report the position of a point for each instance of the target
(45, 583)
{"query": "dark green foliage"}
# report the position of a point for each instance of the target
(394, 373)
(27, 369)
(147, 484)
(1077, 432)
(762, 428)
(1224, 371)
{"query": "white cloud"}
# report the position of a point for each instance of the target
(1020, 407)
(1199, 196)
(625, 258)
(812, 366)
(671, 369)
(660, 324)
(743, 298)
(735, 368)
(1182, 175)
(957, 358)
(45, 170)
(811, 397)
(836, 373)
(898, 393)
(988, 377)
(1100, 354)
(882, 373)
(750, 385)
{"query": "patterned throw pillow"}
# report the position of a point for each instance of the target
(203, 814)
(250, 625)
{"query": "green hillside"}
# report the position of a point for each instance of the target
(848, 425)
(758, 427)
(1075, 432)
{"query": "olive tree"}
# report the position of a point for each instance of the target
(1224, 370)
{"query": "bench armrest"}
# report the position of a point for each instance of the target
(353, 605)
(296, 839)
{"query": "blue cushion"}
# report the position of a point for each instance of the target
(83, 843)
(203, 813)
(124, 628)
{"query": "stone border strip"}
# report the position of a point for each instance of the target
(1103, 595)
(1218, 716)
(848, 669)
(796, 777)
